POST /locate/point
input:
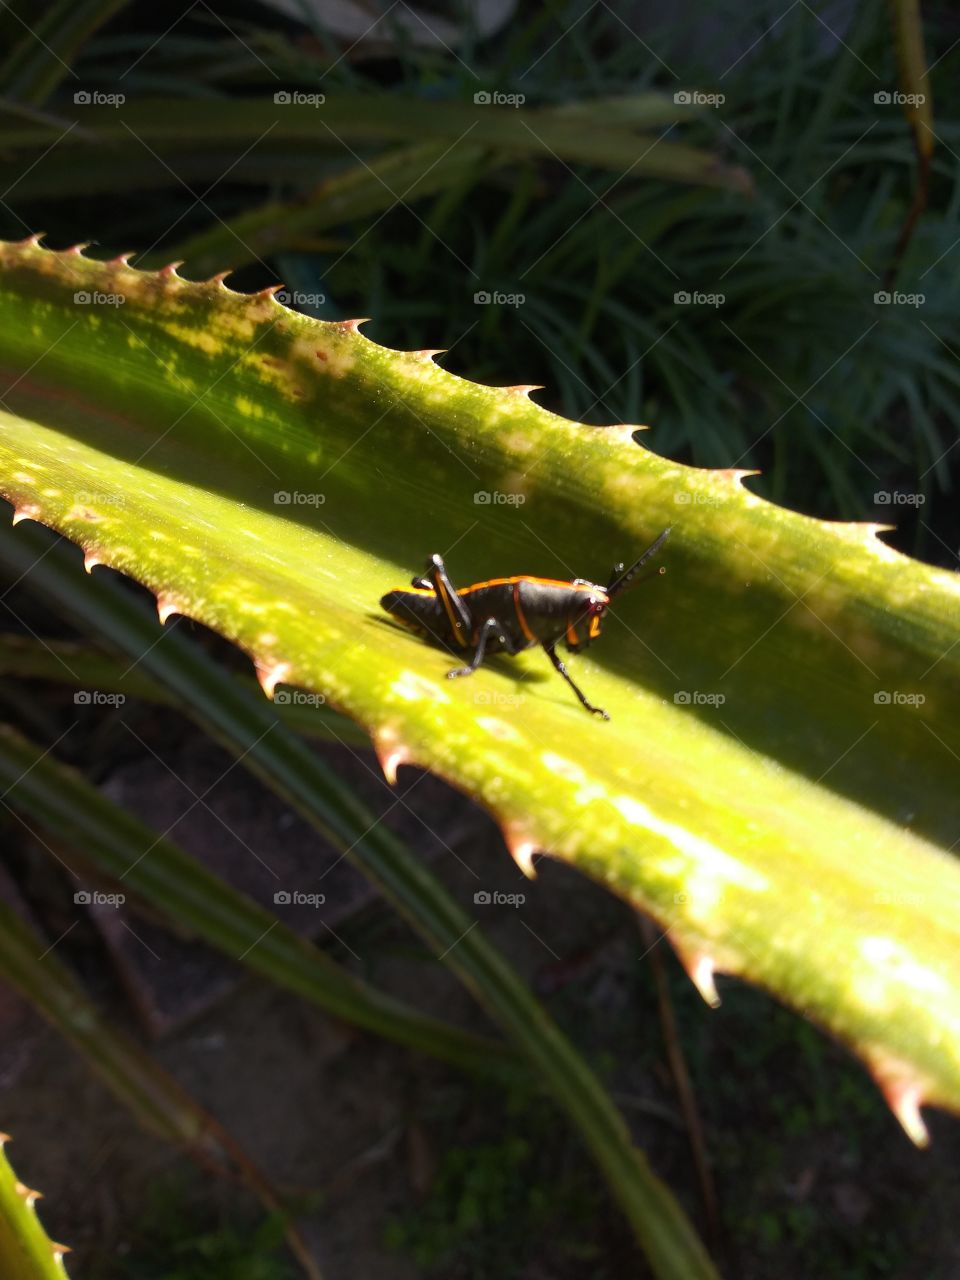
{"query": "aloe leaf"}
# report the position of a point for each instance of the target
(78, 665)
(86, 669)
(474, 142)
(170, 880)
(26, 1251)
(28, 963)
(788, 835)
(588, 136)
(247, 727)
(41, 58)
(357, 192)
(140, 1083)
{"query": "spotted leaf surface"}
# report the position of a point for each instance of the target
(776, 784)
(26, 1252)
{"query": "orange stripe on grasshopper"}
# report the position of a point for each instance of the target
(525, 577)
(524, 625)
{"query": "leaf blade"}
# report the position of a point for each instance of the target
(808, 623)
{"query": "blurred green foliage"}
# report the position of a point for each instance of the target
(798, 371)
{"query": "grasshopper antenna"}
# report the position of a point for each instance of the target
(620, 581)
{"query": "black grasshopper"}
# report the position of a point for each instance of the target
(511, 614)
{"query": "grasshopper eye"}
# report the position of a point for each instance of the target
(595, 615)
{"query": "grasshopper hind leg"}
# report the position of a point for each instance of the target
(458, 615)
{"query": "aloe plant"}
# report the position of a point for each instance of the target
(136, 1080)
(767, 832)
(250, 729)
(26, 1251)
(111, 843)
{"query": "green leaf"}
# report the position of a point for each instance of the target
(358, 191)
(768, 834)
(170, 880)
(135, 1079)
(48, 43)
(26, 1251)
(588, 135)
(456, 142)
(85, 668)
(248, 727)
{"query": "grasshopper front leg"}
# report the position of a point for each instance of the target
(561, 667)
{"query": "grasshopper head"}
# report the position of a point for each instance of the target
(588, 623)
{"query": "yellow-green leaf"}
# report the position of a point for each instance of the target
(776, 784)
